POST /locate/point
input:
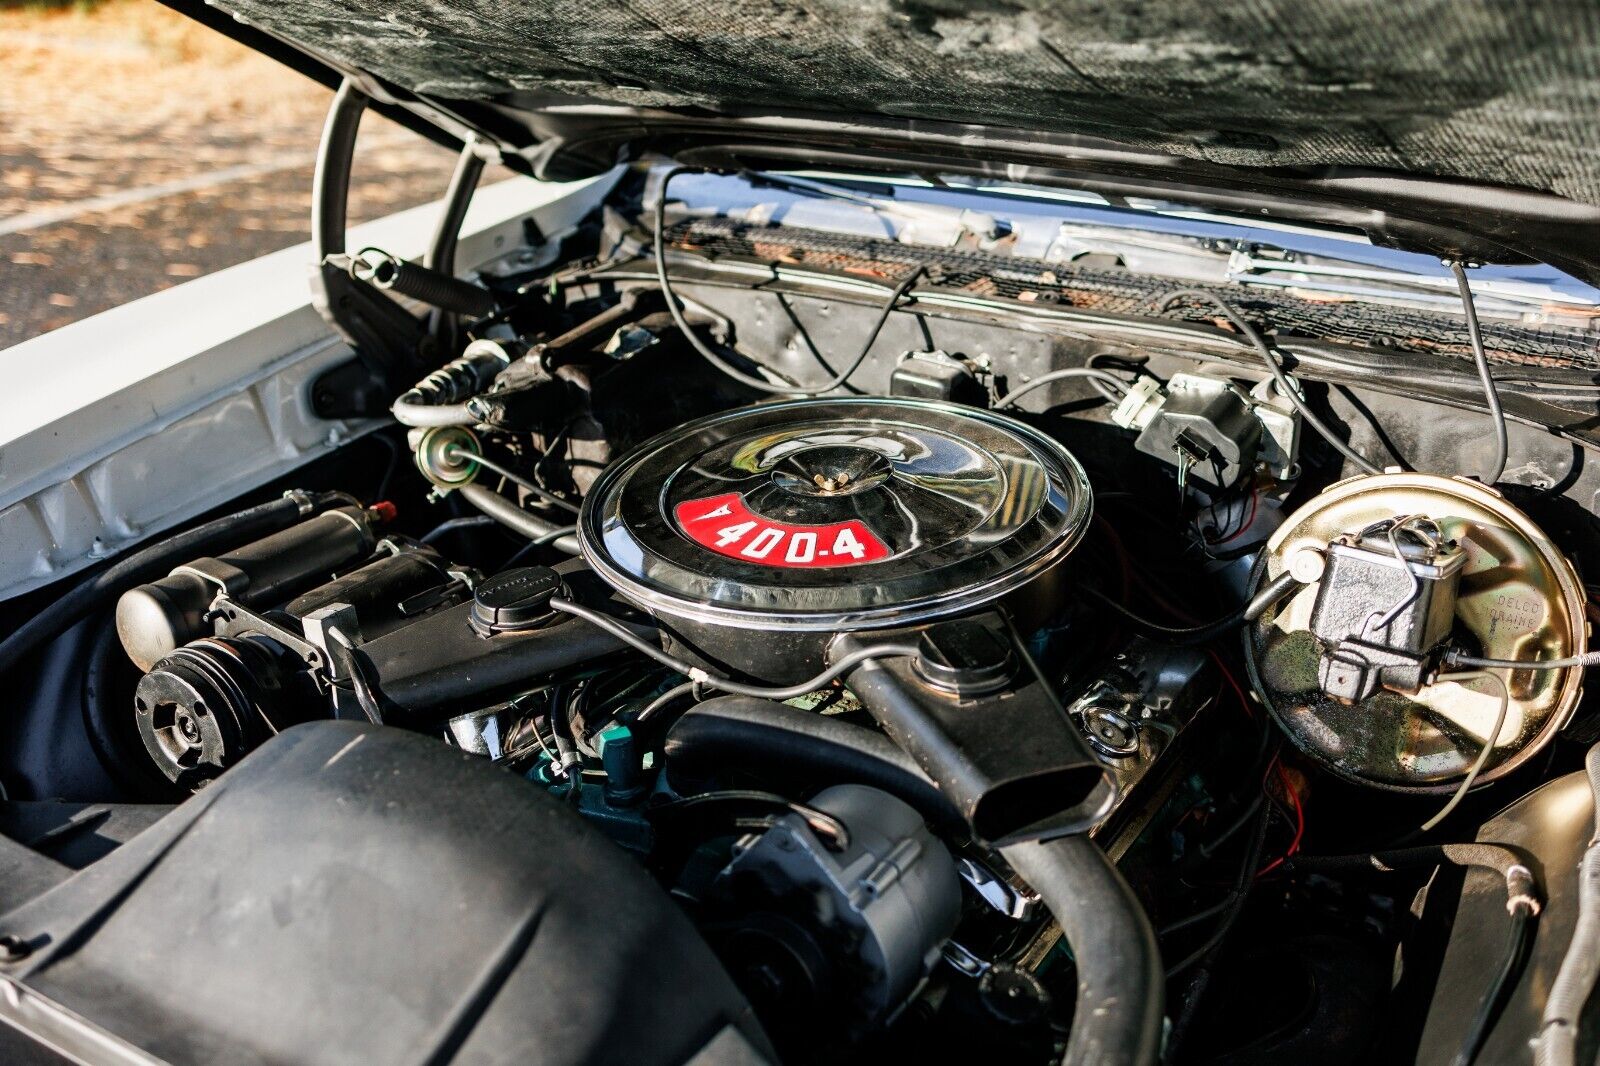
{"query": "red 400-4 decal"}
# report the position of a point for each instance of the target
(726, 526)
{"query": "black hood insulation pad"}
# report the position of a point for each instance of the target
(1492, 93)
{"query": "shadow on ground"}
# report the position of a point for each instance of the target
(139, 150)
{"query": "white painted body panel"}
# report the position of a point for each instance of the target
(125, 424)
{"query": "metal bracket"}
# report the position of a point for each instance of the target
(392, 347)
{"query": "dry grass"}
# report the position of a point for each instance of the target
(133, 56)
(93, 93)
(127, 94)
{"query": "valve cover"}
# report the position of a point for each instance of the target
(834, 514)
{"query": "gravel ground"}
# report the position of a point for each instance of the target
(126, 99)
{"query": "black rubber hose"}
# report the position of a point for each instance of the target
(109, 725)
(1121, 988)
(744, 732)
(1189, 636)
(1120, 982)
(156, 561)
(1522, 904)
(1505, 861)
(569, 763)
(1490, 1007)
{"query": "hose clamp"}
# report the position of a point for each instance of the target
(304, 502)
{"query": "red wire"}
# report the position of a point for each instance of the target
(1238, 690)
(1255, 498)
(1299, 820)
(1287, 783)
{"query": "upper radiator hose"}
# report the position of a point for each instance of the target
(1121, 989)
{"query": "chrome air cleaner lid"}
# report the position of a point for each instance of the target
(834, 514)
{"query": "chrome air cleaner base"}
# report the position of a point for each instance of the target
(818, 517)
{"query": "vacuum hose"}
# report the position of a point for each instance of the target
(440, 399)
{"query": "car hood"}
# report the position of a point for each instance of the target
(1458, 127)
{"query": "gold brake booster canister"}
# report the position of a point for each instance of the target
(1395, 568)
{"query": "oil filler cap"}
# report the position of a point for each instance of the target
(515, 599)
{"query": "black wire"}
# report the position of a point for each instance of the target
(1259, 765)
(1199, 916)
(1189, 636)
(451, 525)
(382, 491)
(1231, 906)
(1285, 386)
(1499, 991)
(598, 710)
(549, 450)
(568, 762)
(682, 666)
(539, 542)
(760, 385)
(1209, 952)
(1480, 357)
(1212, 846)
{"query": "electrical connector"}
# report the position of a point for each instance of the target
(1205, 426)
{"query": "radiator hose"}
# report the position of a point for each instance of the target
(1121, 988)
